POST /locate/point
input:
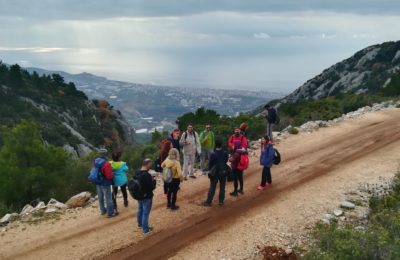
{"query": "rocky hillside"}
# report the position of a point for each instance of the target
(366, 71)
(66, 117)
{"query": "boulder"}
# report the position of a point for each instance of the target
(8, 218)
(337, 212)
(27, 209)
(51, 210)
(79, 200)
(40, 205)
(329, 217)
(347, 205)
(56, 204)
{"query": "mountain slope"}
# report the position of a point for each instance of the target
(66, 116)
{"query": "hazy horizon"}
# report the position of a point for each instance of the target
(269, 45)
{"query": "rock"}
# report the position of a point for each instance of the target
(347, 205)
(91, 200)
(329, 217)
(71, 150)
(325, 222)
(27, 209)
(51, 210)
(40, 205)
(56, 204)
(79, 200)
(83, 150)
(338, 212)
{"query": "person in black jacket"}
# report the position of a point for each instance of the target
(219, 159)
(148, 184)
(272, 119)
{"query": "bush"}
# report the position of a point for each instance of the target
(293, 131)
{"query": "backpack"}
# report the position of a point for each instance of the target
(195, 138)
(95, 174)
(135, 188)
(277, 157)
(167, 175)
(220, 170)
(243, 163)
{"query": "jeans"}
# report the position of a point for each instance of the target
(115, 192)
(104, 192)
(188, 164)
(144, 208)
(266, 176)
(173, 188)
(205, 156)
(213, 187)
(237, 177)
(270, 130)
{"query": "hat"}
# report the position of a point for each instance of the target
(102, 151)
(237, 144)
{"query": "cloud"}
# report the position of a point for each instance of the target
(262, 35)
(32, 49)
(363, 36)
(328, 36)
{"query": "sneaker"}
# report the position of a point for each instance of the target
(241, 192)
(126, 203)
(164, 195)
(268, 184)
(221, 203)
(260, 188)
(206, 204)
(168, 206)
(113, 215)
(103, 213)
(192, 176)
(139, 226)
(148, 231)
(234, 194)
(174, 207)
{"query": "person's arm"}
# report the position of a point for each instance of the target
(179, 170)
(182, 140)
(203, 137)
(230, 142)
(198, 144)
(270, 155)
(107, 171)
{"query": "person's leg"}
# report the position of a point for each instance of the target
(124, 195)
(175, 188)
(268, 175)
(203, 158)
(140, 213)
(114, 197)
(235, 181)
(270, 131)
(211, 191)
(169, 195)
(191, 158)
(100, 196)
(108, 197)
(240, 178)
(165, 188)
(185, 165)
(222, 182)
(147, 204)
(263, 177)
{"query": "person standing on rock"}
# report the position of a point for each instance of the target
(272, 119)
(266, 160)
(103, 187)
(174, 139)
(207, 140)
(191, 147)
(166, 146)
(147, 184)
(172, 162)
(120, 179)
(238, 152)
(237, 136)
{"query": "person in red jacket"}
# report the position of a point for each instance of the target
(237, 136)
(238, 151)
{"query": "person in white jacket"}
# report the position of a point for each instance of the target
(191, 146)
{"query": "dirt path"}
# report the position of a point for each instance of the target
(309, 159)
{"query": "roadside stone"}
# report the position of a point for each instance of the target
(338, 212)
(79, 200)
(329, 217)
(40, 205)
(27, 209)
(347, 205)
(51, 210)
(325, 222)
(53, 203)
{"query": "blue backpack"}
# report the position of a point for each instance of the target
(95, 175)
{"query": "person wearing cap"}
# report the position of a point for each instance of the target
(148, 184)
(207, 140)
(104, 187)
(174, 139)
(237, 136)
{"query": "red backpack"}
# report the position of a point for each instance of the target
(243, 163)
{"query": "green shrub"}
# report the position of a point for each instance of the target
(293, 131)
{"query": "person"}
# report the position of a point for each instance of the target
(207, 141)
(166, 146)
(243, 129)
(148, 184)
(237, 136)
(104, 187)
(266, 160)
(174, 139)
(120, 179)
(191, 146)
(217, 159)
(238, 151)
(173, 163)
(272, 119)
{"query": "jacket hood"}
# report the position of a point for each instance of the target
(116, 165)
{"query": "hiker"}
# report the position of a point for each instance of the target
(272, 119)
(237, 136)
(238, 152)
(174, 139)
(243, 129)
(191, 147)
(207, 141)
(172, 162)
(147, 184)
(103, 187)
(164, 150)
(218, 159)
(266, 160)
(120, 179)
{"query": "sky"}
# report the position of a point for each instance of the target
(242, 44)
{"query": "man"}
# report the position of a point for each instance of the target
(174, 139)
(272, 118)
(148, 184)
(103, 188)
(191, 146)
(218, 159)
(207, 141)
(237, 136)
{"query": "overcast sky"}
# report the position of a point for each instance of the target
(253, 44)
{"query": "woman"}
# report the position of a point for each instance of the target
(266, 160)
(244, 128)
(173, 163)
(120, 179)
(238, 151)
(166, 146)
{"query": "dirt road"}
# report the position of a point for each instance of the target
(310, 161)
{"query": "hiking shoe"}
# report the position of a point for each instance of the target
(103, 213)
(126, 203)
(234, 194)
(260, 188)
(268, 184)
(168, 206)
(206, 204)
(174, 207)
(113, 215)
(192, 176)
(241, 192)
(148, 231)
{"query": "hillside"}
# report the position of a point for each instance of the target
(148, 106)
(65, 115)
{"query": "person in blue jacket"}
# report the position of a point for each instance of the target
(120, 179)
(266, 160)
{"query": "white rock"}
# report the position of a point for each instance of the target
(27, 209)
(8, 218)
(79, 200)
(56, 204)
(347, 205)
(338, 212)
(51, 210)
(329, 217)
(40, 205)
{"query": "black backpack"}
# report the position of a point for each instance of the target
(219, 170)
(277, 157)
(135, 188)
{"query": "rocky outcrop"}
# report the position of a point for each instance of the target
(79, 200)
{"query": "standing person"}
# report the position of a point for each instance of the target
(165, 148)
(191, 146)
(243, 129)
(174, 139)
(207, 141)
(103, 187)
(272, 119)
(237, 136)
(238, 151)
(172, 162)
(147, 184)
(120, 179)
(218, 159)
(266, 160)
